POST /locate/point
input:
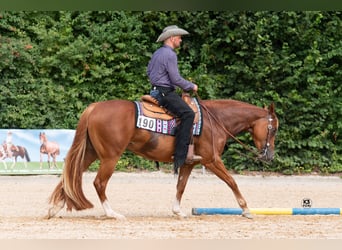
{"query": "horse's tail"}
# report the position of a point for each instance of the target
(69, 190)
(27, 155)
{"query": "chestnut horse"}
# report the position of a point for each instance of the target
(16, 151)
(106, 129)
(48, 147)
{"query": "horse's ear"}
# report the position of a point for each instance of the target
(271, 108)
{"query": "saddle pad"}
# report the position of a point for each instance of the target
(166, 127)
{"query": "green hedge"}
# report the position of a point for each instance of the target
(54, 64)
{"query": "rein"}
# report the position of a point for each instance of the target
(248, 148)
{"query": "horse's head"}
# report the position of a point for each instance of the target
(42, 137)
(263, 132)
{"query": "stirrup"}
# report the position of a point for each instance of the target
(193, 159)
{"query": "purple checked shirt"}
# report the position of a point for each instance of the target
(162, 70)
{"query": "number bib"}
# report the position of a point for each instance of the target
(146, 123)
(166, 127)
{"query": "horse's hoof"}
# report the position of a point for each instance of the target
(116, 216)
(121, 217)
(51, 213)
(55, 209)
(48, 216)
(180, 214)
(247, 215)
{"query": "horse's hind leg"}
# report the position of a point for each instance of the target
(14, 163)
(219, 169)
(105, 171)
(54, 160)
(4, 164)
(183, 177)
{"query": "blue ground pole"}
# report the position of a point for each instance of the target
(268, 211)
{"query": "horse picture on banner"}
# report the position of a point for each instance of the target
(50, 148)
(106, 129)
(13, 153)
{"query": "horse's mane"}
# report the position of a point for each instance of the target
(228, 109)
(231, 103)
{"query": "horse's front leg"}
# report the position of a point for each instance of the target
(219, 169)
(49, 161)
(14, 162)
(183, 177)
(4, 164)
(41, 161)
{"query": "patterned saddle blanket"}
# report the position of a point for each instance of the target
(152, 117)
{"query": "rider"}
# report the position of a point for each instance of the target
(9, 145)
(164, 76)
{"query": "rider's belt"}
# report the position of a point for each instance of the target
(164, 90)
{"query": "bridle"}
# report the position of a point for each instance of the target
(248, 148)
(268, 137)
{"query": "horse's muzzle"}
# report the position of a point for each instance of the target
(266, 155)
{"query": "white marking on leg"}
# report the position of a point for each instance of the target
(246, 213)
(55, 209)
(176, 209)
(110, 212)
(203, 170)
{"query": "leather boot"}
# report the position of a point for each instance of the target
(191, 157)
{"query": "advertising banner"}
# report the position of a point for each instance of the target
(34, 151)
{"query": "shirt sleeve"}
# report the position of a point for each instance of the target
(175, 77)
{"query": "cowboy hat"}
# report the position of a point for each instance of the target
(171, 30)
